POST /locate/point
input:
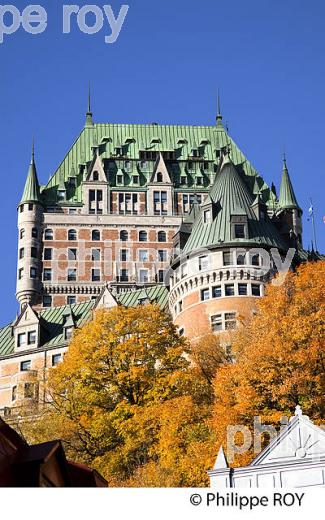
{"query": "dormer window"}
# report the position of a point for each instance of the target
(73, 182)
(199, 181)
(183, 180)
(32, 337)
(119, 179)
(135, 179)
(118, 150)
(207, 216)
(240, 231)
(127, 166)
(95, 176)
(195, 152)
(21, 339)
(159, 177)
(68, 331)
(61, 195)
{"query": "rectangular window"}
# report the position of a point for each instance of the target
(241, 259)
(124, 255)
(95, 275)
(72, 275)
(119, 179)
(143, 276)
(162, 255)
(239, 231)
(21, 253)
(216, 291)
(68, 333)
(72, 211)
(143, 255)
(256, 290)
(203, 263)
(21, 339)
(47, 301)
(229, 290)
(25, 366)
(71, 300)
(14, 393)
(135, 179)
(20, 273)
(183, 270)
(34, 232)
(207, 216)
(32, 337)
(47, 253)
(180, 306)
(47, 275)
(227, 258)
(30, 207)
(72, 254)
(242, 289)
(230, 320)
(205, 294)
(124, 275)
(33, 252)
(33, 272)
(160, 202)
(21, 233)
(29, 390)
(161, 275)
(56, 358)
(95, 201)
(216, 322)
(95, 255)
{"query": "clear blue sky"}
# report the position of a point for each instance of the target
(266, 56)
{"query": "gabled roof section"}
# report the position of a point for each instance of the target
(32, 189)
(301, 440)
(96, 166)
(28, 316)
(230, 197)
(287, 199)
(160, 168)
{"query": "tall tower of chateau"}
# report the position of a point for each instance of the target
(225, 260)
(289, 211)
(30, 216)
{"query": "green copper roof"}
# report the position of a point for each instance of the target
(287, 199)
(32, 189)
(54, 319)
(229, 197)
(133, 139)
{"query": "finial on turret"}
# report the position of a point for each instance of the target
(89, 114)
(33, 151)
(219, 116)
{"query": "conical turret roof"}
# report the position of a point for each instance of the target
(287, 199)
(231, 197)
(31, 191)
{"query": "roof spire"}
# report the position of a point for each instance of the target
(219, 116)
(32, 189)
(287, 198)
(89, 114)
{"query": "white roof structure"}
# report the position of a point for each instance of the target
(295, 458)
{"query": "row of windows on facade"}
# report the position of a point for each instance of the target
(30, 388)
(220, 291)
(96, 235)
(143, 275)
(184, 179)
(128, 203)
(159, 255)
(230, 258)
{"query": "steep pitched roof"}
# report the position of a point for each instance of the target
(32, 189)
(287, 199)
(230, 196)
(54, 319)
(179, 138)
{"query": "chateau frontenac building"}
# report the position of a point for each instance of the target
(174, 215)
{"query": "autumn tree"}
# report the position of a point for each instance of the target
(280, 357)
(124, 400)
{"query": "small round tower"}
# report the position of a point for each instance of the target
(30, 216)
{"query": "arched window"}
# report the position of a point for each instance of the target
(124, 236)
(95, 235)
(95, 176)
(143, 236)
(162, 236)
(48, 234)
(34, 232)
(159, 177)
(72, 234)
